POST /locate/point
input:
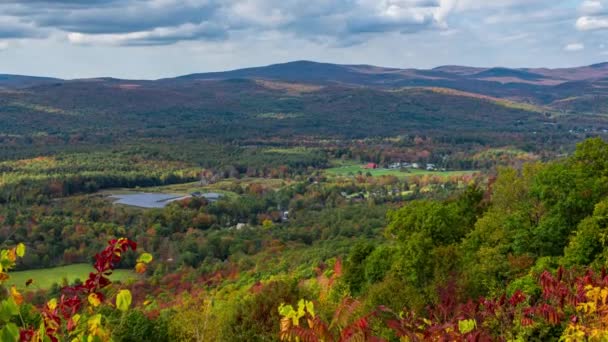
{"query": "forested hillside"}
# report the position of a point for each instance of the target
(354, 204)
(305, 102)
(518, 255)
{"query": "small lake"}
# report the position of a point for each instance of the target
(147, 200)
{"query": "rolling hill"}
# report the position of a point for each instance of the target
(308, 101)
(533, 86)
(19, 81)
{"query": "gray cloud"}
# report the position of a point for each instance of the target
(12, 27)
(157, 36)
(166, 21)
(113, 16)
(594, 15)
(328, 24)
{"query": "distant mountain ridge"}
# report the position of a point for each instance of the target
(577, 90)
(366, 74)
(309, 71)
(8, 80)
(311, 100)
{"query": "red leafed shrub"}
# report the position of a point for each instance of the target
(573, 307)
(66, 318)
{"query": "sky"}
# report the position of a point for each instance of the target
(149, 39)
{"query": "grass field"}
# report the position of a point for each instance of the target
(46, 277)
(293, 150)
(350, 169)
(187, 188)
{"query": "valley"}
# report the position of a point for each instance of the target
(221, 200)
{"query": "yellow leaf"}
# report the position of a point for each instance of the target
(140, 267)
(94, 324)
(94, 299)
(20, 250)
(146, 258)
(17, 297)
(466, 326)
(12, 254)
(123, 300)
(52, 304)
(3, 277)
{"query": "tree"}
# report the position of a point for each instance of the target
(194, 320)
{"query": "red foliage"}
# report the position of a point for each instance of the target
(73, 298)
(561, 293)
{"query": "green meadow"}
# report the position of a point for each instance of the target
(351, 169)
(46, 277)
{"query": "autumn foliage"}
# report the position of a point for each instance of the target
(76, 314)
(570, 307)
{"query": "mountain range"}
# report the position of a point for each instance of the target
(301, 100)
(380, 76)
(372, 75)
(564, 88)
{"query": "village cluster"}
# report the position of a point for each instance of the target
(403, 165)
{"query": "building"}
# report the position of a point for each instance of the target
(371, 166)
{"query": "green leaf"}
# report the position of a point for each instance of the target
(467, 325)
(91, 338)
(8, 309)
(20, 250)
(41, 329)
(123, 300)
(12, 306)
(310, 307)
(4, 260)
(146, 258)
(9, 332)
(286, 310)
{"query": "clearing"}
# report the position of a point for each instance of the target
(351, 169)
(44, 278)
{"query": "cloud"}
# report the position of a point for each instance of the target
(592, 23)
(594, 15)
(339, 19)
(330, 23)
(574, 47)
(123, 17)
(136, 22)
(11, 27)
(591, 7)
(157, 36)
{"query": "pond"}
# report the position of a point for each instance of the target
(147, 200)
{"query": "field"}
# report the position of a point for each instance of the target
(45, 278)
(350, 169)
(223, 187)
